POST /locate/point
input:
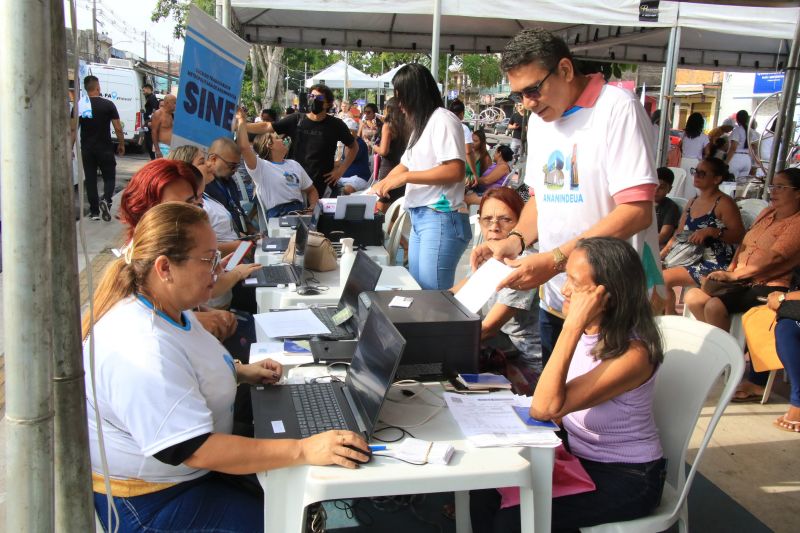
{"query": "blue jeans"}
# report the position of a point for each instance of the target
(436, 244)
(787, 342)
(284, 209)
(212, 503)
(549, 329)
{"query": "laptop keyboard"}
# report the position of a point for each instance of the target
(316, 408)
(278, 275)
(337, 332)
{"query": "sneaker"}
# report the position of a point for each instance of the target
(94, 216)
(105, 211)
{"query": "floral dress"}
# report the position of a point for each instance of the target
(717, 254)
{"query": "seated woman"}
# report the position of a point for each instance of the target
(280, 182)
(599, 382)
(357, 175)
(195, 157)
(510, 317)
(164, 180)
(713, 220)
(493, 176)
(165, 389)
(769, 253)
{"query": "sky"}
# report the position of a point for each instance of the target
(125, 21)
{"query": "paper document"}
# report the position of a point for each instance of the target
(482, 283)
(290, 324)
(262, 350)
(367, 200)
(489, 420)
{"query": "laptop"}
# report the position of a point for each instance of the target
(363, 277)
(302, 410)
(293, 221)
(269, 244)
(274, 275)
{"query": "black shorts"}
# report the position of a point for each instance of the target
(741, 301)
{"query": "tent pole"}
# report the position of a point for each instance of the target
(25, 37)
(446, 78)
(346, 68)
(667, 91)
(226, 13)
(74, 503)
(784, 129)
(437, 27)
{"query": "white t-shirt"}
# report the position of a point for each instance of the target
(467, 134)
(279, 183)
(693, 148)
(576, 165)
(159, 383)
(221, 220)
(441, 140)
(740, 136)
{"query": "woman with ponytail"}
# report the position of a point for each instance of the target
(165, 389)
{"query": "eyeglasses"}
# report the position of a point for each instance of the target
(697, 172)
(491, 221)
(316, 96)
(229, 164)
(773, 188)
(534, 91)
(215, 261)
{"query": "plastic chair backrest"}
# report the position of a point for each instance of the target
(398, 204)
(400, 227)
(680, 202)
(695, 356)
(678, 184)
(750, 209)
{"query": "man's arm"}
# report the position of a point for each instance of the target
(350, 152)
(120, 136)
(155, 128)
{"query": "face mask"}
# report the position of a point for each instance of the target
(317, 106)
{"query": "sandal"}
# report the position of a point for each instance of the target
(741, 396)
(790, 426)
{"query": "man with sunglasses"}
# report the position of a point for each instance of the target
(314, 136)
(589, 166)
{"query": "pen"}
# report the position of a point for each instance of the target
(376, 447)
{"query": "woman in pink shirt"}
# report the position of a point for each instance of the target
(599, 383)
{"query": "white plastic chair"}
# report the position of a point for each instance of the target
(391, 212)
(695, 356)
(679, 184)
(401, 227)
(680, 202)
(477, 234)
(750, 209)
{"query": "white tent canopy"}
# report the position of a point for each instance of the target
(333, 77)
(725, 37)
(388, 76)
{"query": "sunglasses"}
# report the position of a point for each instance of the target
(231, 165)
(534, 91)
(697, 172)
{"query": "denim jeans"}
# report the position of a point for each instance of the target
(787, 342)
(107, 163)
(212, 503)
(436, 244)
(549, 329)
(284, 209)
(624, 492)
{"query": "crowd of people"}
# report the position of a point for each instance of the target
(172, 328)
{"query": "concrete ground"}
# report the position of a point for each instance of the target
(750, 460)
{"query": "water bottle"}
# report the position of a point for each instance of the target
(346, 261)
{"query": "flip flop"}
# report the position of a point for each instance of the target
(749, 397)
(780, 421)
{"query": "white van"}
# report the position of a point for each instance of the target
(121, 84)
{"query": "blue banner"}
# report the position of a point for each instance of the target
(211, 81)
(768, 83)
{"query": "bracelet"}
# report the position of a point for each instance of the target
(521, 239)
(236, 364)
(559, 259)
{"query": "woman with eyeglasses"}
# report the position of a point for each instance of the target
(280, 182)
(764, 263)
(432, 170)
(165, 390)
(711, 219)
(510, 317)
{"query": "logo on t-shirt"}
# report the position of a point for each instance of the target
(561, 177)
(292, 179)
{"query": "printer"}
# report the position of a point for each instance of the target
(442, 336)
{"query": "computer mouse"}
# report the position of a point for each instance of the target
(307, 291)
(368, 453)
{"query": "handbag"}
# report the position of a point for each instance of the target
(319, 252)
(759, 332)
(683, 253)
(569, 477)
(717, 288)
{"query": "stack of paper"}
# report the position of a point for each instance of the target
(489, 420)
(422, 451)
(485, 381)
(295, 323)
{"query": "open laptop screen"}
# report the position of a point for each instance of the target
(300, 241)
(374, 364)
(363, 277)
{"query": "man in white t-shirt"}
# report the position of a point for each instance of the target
(458, 108)
(590, 170)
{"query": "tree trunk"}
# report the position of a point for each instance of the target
(269, 61)
(256, 80)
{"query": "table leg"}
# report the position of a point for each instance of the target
(463, 523)
(284, 509)
(539, 497)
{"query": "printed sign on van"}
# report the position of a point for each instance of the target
(210, 83)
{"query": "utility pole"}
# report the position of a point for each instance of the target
(145, 47)
(95, 53)
(286, 94)
(169, 72)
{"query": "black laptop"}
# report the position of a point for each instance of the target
(299, 411)
(275, 275)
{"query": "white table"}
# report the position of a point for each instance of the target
(376, 253)
(392, 278)
(289, 490)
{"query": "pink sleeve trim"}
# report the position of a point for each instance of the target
(639, 193)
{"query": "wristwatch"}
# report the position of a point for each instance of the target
(559, 259)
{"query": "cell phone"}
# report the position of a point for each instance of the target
(240, 252)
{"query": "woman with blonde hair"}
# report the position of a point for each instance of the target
(165, 389)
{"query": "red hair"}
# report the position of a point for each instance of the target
(507, 196)
(147, 185)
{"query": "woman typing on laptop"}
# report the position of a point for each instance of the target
(165, 388)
